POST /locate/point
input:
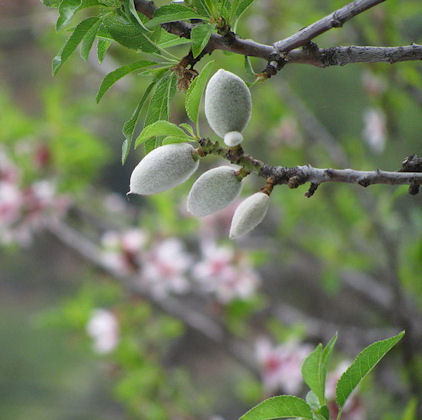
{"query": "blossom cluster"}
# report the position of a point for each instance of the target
(164, 266)
(26, 207)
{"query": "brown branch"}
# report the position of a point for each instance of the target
(335, 19)
(340, 56)
(299, 175)
(315, 56)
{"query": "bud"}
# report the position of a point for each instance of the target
(249, 214)
(213, 190)
(233, 138)
(227, 104)
(163, 168)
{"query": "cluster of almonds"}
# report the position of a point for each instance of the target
(228, 110)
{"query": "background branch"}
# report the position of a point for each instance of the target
(193, 319)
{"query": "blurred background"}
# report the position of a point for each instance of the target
(117, 309)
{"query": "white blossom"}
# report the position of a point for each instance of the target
(165, 267)
(281, 365)
(103, 328)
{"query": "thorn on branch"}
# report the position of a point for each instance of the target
(312, 188)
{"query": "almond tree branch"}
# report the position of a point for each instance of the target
(340, 55)
(299, 175)
(335, 19)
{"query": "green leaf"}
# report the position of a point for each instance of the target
(410, 410)
(248, 67)
(134, 13)
(129, 125)
(67, 9)
(88, 40)
(175, 139)
(160, 128)
(114, 76)
(312, 400)
(188, 128)
(279, 407)
(366, 360)
(51, 3)
(194, 93)
(159, 106)
(129, 34)
(174, 42)
(312, 373)
(102, 47)
(200, 35)
(202, 7)
(172, 13)
(73, 41)
(324, 412)
(314, 369)
(238, 8)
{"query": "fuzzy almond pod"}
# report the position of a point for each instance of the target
(249, 214)
(163, 168)
(227, 104)
(213, 190)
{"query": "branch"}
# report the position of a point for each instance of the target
(313, 56)
(299, 175)
(340, 56)
(195, 320)
(335, 19)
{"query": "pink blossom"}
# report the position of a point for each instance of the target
(281, 365)
(225, 274)
(123, 251)
(165, 267)
(103, 328)
(353, 409)
(10, 203)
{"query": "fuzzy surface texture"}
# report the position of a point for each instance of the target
(233, 138)
(249, 214)
(227, 103)
(163, 168)
(213, 190)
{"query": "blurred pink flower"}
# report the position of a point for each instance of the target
(10, 204)
(164, 268)
(122, 251)
(375, 129)
(372, 84)
(9, 172)
(103, 328)
(281, 365)
(353, 409)
(225, 274)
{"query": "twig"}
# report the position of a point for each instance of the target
(335, 19)
(299, 175)
(195, 320)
